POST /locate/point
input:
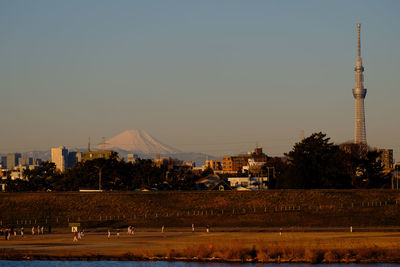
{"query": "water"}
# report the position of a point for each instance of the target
(166, 264)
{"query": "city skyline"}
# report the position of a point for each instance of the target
(201, 76)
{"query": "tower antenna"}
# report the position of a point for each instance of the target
(359, 41)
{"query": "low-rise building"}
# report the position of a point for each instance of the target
(215, 165)
(386, 157)
(167, 162)
(132, 158)
(232, 164)
(90, 155)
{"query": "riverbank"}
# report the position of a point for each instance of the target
(264, 208)
(216, 246)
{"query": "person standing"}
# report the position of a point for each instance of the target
(22, 232)
(75, 237)
(108, 233)
(192, 227)
(118, 233)
(162, 229)
(33, 230)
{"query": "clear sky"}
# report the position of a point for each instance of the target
(202, 76)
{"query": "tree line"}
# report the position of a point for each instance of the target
(313, 163)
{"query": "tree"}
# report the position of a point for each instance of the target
(42, 178)
(369, 172)
(315, 162)
(274, 169)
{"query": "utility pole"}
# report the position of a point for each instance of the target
(100, 178)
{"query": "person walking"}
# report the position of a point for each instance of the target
(22, 232)
(33, 230)
(75, 237)
(162, 229)
(118, 233)
(108, 233)
(192, 227)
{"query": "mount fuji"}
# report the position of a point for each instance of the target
(138, 142)
(145, 146)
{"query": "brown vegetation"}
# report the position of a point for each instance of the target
(272, 208)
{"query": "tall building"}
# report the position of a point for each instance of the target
(72, 159)
(25, 161)
(359, 93)
(59, 156)
(4, 162)
(12, 160)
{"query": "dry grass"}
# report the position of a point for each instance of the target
(273, 208)
(308, 247)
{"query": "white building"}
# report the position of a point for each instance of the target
(59, 156)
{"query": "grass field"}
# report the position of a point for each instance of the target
(218, 245)
(268, 208)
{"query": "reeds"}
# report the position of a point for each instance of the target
(279, 253)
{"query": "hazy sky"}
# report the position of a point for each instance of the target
(202, 76)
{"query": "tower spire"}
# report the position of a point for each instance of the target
(359, 42)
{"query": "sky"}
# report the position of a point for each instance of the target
(217, 77)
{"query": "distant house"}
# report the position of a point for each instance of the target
(253, 183)
(212, 182)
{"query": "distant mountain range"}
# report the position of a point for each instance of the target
(136, 142)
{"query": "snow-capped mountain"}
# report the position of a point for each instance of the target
(137, 141)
